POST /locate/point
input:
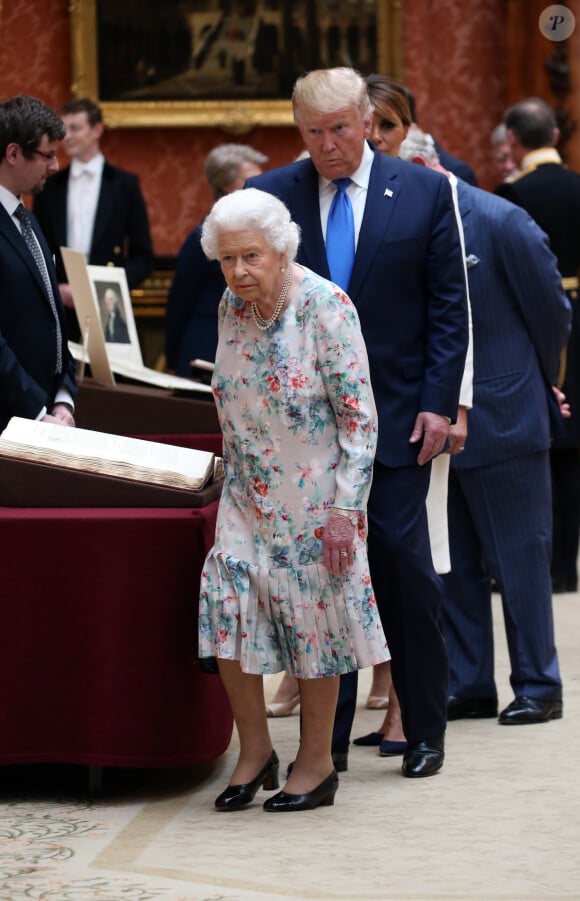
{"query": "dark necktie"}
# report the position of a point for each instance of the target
(340, 235)
(21, 213)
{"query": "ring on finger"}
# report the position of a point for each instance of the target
(343, 553)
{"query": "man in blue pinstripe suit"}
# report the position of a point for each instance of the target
(500, 520)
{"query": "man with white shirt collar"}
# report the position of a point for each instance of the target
(36, 370)
(93, 206)
(407, 282)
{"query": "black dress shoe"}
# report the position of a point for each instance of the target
(530, 710)
(237, 796)
(470, 708)
(321, 796)
(339, 759)
(564, 586)
(424, 757)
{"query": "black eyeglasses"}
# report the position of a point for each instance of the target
(49, 157)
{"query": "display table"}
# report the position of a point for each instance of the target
(98, 658)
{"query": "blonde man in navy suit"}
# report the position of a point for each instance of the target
(36, 370)
(408, 285)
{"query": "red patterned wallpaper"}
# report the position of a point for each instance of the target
(455, 61)
(456, 66)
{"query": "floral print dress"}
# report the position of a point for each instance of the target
(299, 425)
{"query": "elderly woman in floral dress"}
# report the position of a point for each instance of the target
(286, 585)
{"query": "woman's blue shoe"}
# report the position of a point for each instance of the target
(392, 748)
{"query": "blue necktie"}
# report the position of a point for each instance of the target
(340, 235)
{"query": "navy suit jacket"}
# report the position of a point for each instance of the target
(453, 164)
(121, 233)
(407, 284)
(191, 323)
(521, 318)
(27, 329)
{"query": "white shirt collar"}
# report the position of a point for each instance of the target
(360, 177)
(94, 166)
(8, 200)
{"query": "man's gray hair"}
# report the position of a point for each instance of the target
(223, 162)
(324, 91)
(251, 210)
(418, 143)
(499, 135)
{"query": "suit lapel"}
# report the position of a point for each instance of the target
(305, 208)
(15, 239)
(105, 204)
(382, 198)
(464, 206)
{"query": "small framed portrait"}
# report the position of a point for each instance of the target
(113, 298)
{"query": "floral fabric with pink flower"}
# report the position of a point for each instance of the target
(299, 425)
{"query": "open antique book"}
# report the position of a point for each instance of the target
(111, 455)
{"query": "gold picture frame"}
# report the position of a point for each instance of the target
(234, 114)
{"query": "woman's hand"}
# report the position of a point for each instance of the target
(564, 406)
(338, 544)
(458, 432)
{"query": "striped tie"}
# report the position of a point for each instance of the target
(21, 213)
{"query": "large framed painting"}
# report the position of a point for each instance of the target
(227, 63)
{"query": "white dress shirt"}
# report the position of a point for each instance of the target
(357, 192)
(84, 186)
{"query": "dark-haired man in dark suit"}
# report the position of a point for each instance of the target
(36, 370)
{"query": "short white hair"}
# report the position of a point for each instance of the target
(419, 143)
(499, 135)
(251, 210)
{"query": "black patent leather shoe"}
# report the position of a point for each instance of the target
(471, 708)
(321, 796)
(237, 796)
(530, 710)
(424, 757)
(339, 759)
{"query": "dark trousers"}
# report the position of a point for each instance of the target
(565, 469)
(500, 524)
(409, 597)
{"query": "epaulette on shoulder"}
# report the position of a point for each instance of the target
(515, 176)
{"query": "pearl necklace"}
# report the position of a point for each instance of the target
(264, 324)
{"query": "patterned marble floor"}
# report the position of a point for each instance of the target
(500, 823)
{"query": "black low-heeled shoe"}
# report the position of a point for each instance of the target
(321, 796)
(237, 796)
